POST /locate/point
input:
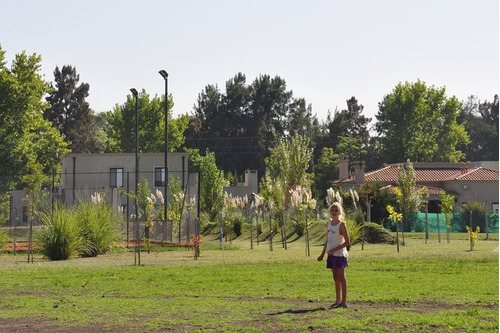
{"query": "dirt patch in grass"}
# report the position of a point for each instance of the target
(12, 325)
(297, 308)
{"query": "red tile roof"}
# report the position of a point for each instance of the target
(479, 174)
(432, 173)
(430, 190)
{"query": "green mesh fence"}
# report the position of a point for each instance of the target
(436, 222)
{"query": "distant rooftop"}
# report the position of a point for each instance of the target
(435, 172)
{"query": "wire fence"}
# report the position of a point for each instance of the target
(118, 189)
(434, 222)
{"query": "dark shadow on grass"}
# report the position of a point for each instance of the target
(321, 308)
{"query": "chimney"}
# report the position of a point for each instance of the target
(359, 172)
(343, 167)
(251, 181)
(463, 169)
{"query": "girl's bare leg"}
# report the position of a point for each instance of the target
(343, 283)
(338, 283)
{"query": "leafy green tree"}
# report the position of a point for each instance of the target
(325, 171)
(419, 123)
(334, 126)
(28, 143)
(373, 158)
(120, 127)
(244, 120)
(446, 205)
(286, 169)
(409, 197)
(379, 197)
(357, 123)
(99, 125)
(270, 106)
(70, 113)
(352, 147)
(302, 121)
(290, 160)
(348, 122)
(346, 131)
(218, 125)
(481, 123)
(212, 184)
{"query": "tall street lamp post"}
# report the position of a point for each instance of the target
(136, 95)
(164, 74)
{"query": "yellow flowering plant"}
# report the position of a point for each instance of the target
(396, 217)
(393, 215)
(472, 236)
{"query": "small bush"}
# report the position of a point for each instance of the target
(299, 227)
(375, 233)
(4, 238)
(210, 227)
(474, 206)
(205, 221)
(99, 226)
(354, 230)
(59, 238)
(238, 220)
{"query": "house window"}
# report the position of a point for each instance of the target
(494, 206)
(159, 177)
(116, 177)
(25, 214)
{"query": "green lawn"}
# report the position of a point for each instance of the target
(434, 287)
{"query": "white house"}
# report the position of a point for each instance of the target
(466, 181)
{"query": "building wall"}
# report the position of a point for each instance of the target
(84, 174)
(251, 185)
(474, 191)
(487, 164)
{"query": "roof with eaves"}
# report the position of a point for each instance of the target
(432, 172)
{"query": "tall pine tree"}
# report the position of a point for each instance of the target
(481, 122)
(70, 113)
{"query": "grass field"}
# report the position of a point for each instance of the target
(435, 287)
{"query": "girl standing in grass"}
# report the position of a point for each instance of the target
(336, 245)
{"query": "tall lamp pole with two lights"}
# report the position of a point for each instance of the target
(164, 74)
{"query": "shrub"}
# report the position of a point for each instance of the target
(472, 236)
(237, 220)
(4, 238)
(375, 233)
(99, 226)
(474, 206)
(205, 221)
(60, 237)
(358, 216)
(298, 226)
(354, 230)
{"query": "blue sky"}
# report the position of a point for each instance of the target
(326, 51)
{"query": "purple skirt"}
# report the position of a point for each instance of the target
(336, 262)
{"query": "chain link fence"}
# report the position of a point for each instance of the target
(434, 222)
(15, 203)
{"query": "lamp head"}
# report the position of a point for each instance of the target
(134, 92)
(164, 74)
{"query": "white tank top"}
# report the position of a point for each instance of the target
(335, 239)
